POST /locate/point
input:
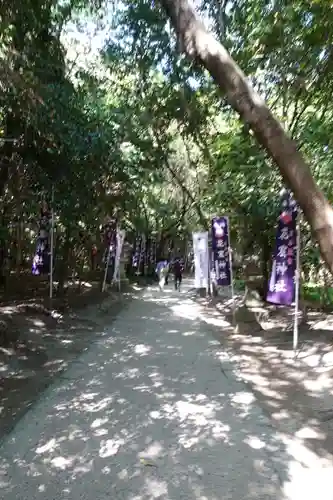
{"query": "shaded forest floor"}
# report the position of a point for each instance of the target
(39, 338)
(297, 393)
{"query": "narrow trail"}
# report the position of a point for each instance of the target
(153, 410)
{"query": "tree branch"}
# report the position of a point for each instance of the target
(179, 181)
(202, 47)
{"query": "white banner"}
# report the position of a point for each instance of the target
(120, 242)
(201, 259)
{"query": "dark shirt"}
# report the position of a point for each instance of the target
(177, 268)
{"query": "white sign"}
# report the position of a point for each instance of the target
(201, 259)
(120, 242)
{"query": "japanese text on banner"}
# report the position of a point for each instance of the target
(281, 288)
(221, 250)
(136, 253)
(42, 258)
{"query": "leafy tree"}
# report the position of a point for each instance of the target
(148, 137)
(203, 48)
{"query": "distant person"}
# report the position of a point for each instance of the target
(162, 270)
(178, 269)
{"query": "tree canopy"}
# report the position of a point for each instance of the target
(144, 132)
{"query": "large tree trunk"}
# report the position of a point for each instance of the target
(195, 41)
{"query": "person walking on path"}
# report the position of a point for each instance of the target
(178, 272)
(162, 270)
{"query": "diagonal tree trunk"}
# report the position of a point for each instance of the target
(198, 44)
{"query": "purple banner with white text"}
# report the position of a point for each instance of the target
(281, 288)
(221, 250)
(152, 251)
(137, 252)
(110, 239)
(142, 257)
(42, 258)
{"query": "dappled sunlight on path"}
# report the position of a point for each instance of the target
(149, 412)
(297, 394)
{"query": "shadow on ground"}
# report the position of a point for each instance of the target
(43, 342)
(296, 393)
(152, 411)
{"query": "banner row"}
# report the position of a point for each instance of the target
(216, 264)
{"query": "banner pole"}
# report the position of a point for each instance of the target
(120, 251)
(231, 272)
(106, 268)
(145, 260)
(52, 243)
(115, 271)
(120, 242)
(208, 262)
(297, 285)
(155, 252)
(211, 260)
(139, 258)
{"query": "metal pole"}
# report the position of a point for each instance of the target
(119, 281)
(297, 285)
(145, 264)
(120, 242)
(116, 274)
(208, 264)
(231, 272)
(52, 243)
(155, 252)
(140, 255)
(106, 268)
(211, 262)
(144, 255)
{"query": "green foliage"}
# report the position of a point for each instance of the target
(147, 136)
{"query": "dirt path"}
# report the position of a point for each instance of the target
(297, 394)
(46, 343)
(146, 414)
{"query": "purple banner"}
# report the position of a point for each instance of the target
(42, 258)
(110, 240)
(110, 233)
(146, 252)
(142, 251)
(136, 254)
(221, 250)
(152, 251)
(281, 289)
